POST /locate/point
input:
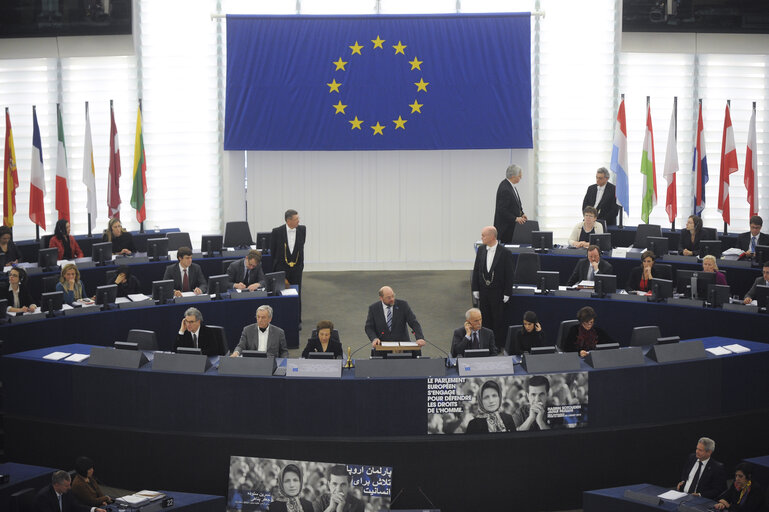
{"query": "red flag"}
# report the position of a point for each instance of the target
(10, 175)
(728, 165)
(113, 182)
(751, 166)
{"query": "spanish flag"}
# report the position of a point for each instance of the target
(11, 177)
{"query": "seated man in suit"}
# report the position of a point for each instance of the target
(194, 334)
(702, 475)
(57, 498)
(586, 269)
(263, 336)
(187, 276)
(603, 197)
(473, 335)
(247, 274)
(760, 281)
(749, 240)
(387, 320)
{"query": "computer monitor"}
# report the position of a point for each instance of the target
(47, 258)
(101, 252)
(106, 294)
(157, 248)
(263, 241)
(762, 296)
(684, 282)
(52, 301)
(761, 255)
(126, 345)
(218, 284)
(605, 284)
(542, 240)
(548, 280)
(189, 350)
(712, 247)
(602, 240)
(3, 308)
(211, 245)
(659, 245)
(275, 282)
(718, 295)
(162, 291)
(320, 355)
(661, 289)
(476, 352)
(253, 353)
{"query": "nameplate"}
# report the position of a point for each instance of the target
(673, 352)
(692, 503)
(131, 260)
(256, 294)
(692, 303)
(570, 252)
(259, 366)
(39, 316)
(83, 310)
(31, 271)
(237, 253)
(630, 297)
(571, 293)
(519, 250)
(137, 304)
(86, 263)
(615, 358)
(114, 358)
(477, 366)
(742, 308)
(421, 367)
(329, 369)
(524, 291)
(203, 297)
(547, 363)
(680, 258)
(186, 363)
(642, 497)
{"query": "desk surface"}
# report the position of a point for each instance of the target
(613, 499)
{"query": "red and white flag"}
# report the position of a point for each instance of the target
(113, 181)
(671, 168)
(751, 166)
(728, 166)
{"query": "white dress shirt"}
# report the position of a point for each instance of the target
(490, 252)
(599, 194)
(291, 237)
(263, 338)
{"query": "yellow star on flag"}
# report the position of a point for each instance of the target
(378, 42)
(421, 85)
(339, 108)
(378, 128)
(399, 48)
(356, 48)
(340, 64)
(415, 64)
(333, 86)
(415, 107)
(400, 123)
(355, 123)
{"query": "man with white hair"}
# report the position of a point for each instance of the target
(603, 197)
(473, 335)
(702, 475)
(263, 336)
(509, 210)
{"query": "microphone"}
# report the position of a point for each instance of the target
(448, 357)
(368, 344)
(425, 496)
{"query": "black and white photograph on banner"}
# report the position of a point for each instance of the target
(304, 486)
(481, 405)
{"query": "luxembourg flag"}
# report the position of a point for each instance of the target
(37, 177)
(648, 169)
(619, 158)
(751, 166)
(700, 166)
(728, 165)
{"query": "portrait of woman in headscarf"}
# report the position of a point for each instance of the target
(290, 484)
(489, 417)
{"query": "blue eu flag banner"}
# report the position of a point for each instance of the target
(378, 82)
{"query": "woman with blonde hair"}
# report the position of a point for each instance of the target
(70, 284)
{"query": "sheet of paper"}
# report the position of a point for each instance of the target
(719, 351)
(56, 356)
(409, 344)
(732, 251)
(619, 252)
(138, 297)
(134, 499)
(78, 358)
(188, 294)
(122, 300)
(672, 495)
(390, 344)
(737, 348)
(586, 284)
(289, 291)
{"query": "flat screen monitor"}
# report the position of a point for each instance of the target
(710, 247)
(3, 308)
(661, 289)
(476, 352)
(157, 248)
(101, 252)
(211, 245)
(659, 245)
(542, 350)
(542, 240)
(668, 340)
(162, 291)
(106, 294)
(52, 301)
(253, 353)
(718, 295)
(275, 282)
(606, 346)
(126, 345)
(218, 284)
(548, 280)
(320, 355)
(605, 284)
(761, 255)
(602, 240)
(762, 296)
(684, 282)
(47, 258)
(189, 350)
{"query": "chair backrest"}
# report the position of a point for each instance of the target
(664, 270)
(563, 331)
(49, 283)
(23, 500)
(512, 333)
(643, 231)
(45, 240)
(176, 240)
(109, 276)
(222, 335)
(147, 340)
(334, 334)
(526, 268)
(522, 233)
(644, 335)
(226, 265)
(708, 234)
(602, 222)
(237, 234)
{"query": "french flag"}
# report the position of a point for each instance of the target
(37, 177)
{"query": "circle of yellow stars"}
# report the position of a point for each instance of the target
(378, 128)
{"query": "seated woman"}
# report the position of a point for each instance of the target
(584, 336)
(690, 236)
(127, 284)
(85, 487)
(709, 265)
(67, 245)
(744, 495)
(580, 235)
(7, 247)
(290, 484)
(489, 418)
(323, 342)
(70, 284)
(531, 335)
(122, 240)
(17, 294)
(640, 277)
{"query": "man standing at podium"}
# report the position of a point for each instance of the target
(702, 475)
(388, 320)
(287, 250)
(492, 282)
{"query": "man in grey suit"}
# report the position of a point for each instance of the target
(763, 280)
(263, 336)
(247, 274)
(472, 335)
(187, 276)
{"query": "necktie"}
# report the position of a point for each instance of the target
(475, 340)
(195, 339)
(753, 244)
(59, 496)
(186, 282)
(389, 318)
(245, 277)
(696, 479)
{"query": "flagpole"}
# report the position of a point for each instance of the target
(675, 132)
(89, 213)
(622, 210)
(726, 229)
(141, 224)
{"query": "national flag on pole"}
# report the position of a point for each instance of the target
(648, 169)
(113, 183)
(700, 167)
(728, 166)
(89, 173)
(751, 166)
(62, 178)
(619, 158)
(671, 168)
(10, 176)
(140, 172)
(37, 177)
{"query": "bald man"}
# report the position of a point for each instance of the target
(492, 282)
(400, 317)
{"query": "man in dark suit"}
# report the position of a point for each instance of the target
(603, 197)
(492, 282)
(749, 240)
(388, 320)
(57, 498)
(509, 210)
(587, 268)
(760, 281)
(247, 274)
(287, 250)
(263, 336)
(194, 334)
(187, 276)
(703, 475)
(472, 335)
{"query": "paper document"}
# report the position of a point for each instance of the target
(672, 495)
(619, 252)
(133, 500)
(138, 297)
(122, 300)
(188, 294)
(78, 358)
(732, 251)
(289, 291)
(719, 351)
(152, 495)
(409, 344)
(586, 284)
(737, 348)
(390, 343)
(55, 356)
